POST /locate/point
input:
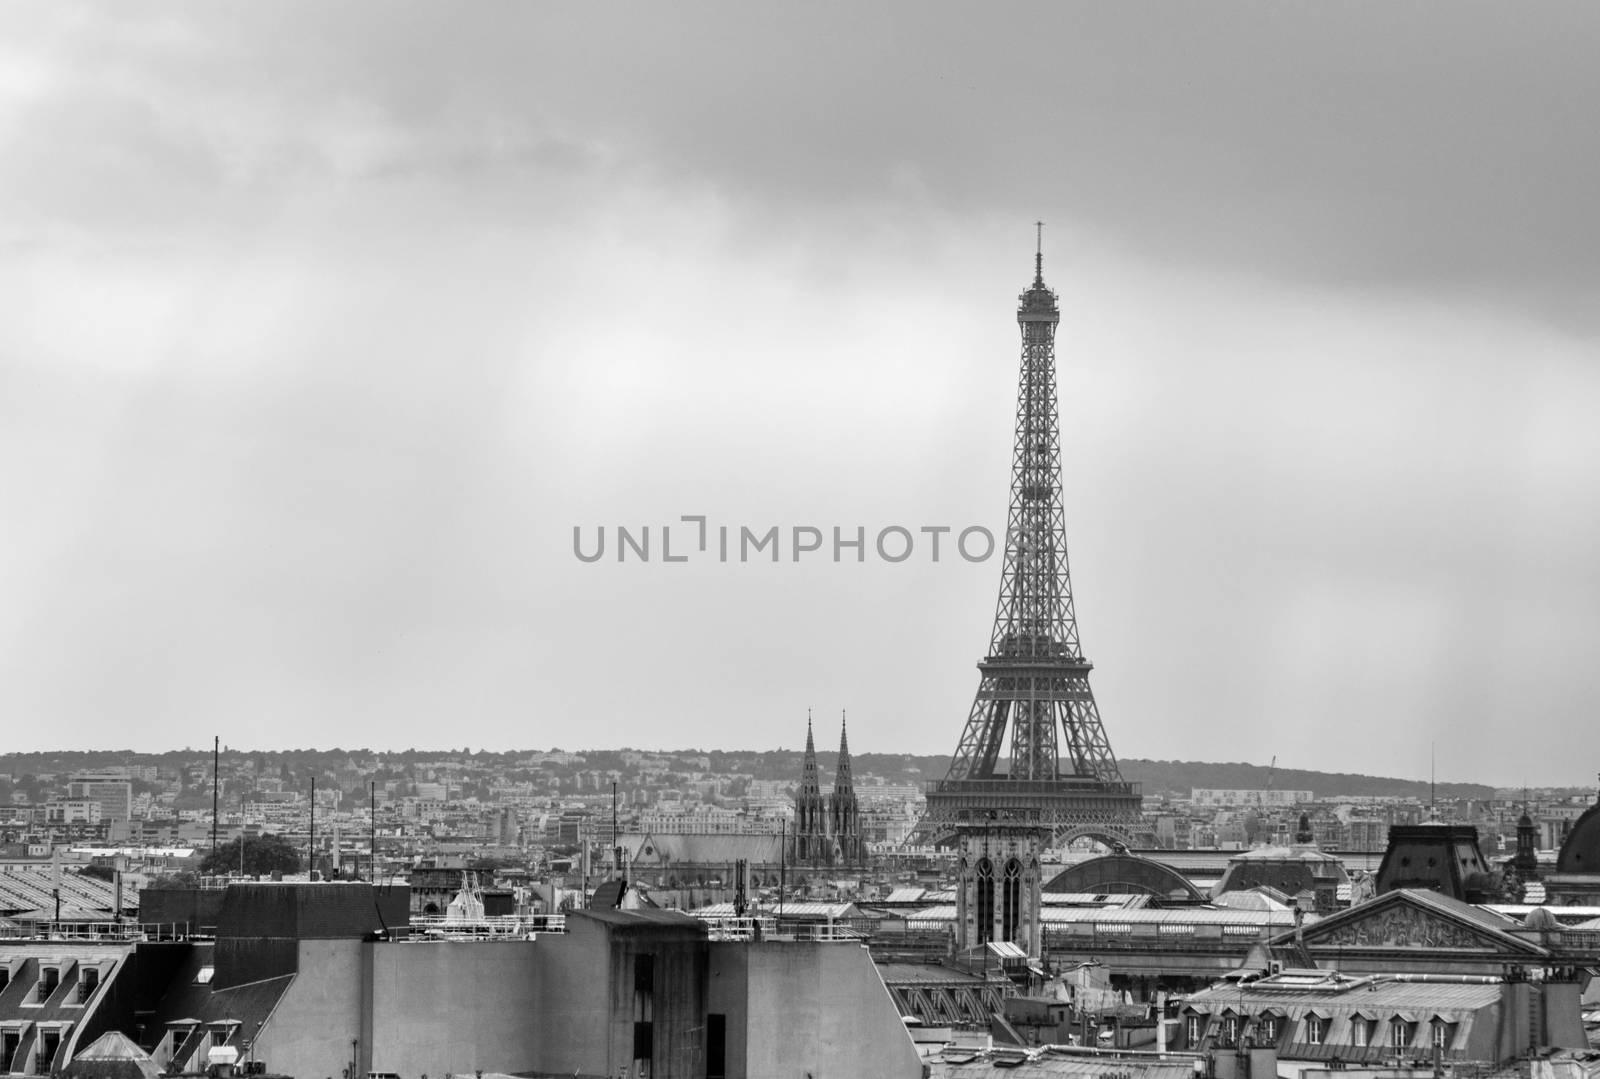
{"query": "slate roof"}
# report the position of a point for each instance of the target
(704, 848)
(26, 959)
(187, 999)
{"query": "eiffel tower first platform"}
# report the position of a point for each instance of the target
(1058, 773)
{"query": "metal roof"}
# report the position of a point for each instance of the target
(1386, 996)
(1178, 916)
(793, 909)
(1519, 911)
(29, 888)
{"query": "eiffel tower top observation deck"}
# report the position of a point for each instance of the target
(1058, 770)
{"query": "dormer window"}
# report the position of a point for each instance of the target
(49, 978)
(1230, 1030)
(1193, 1027)
(1400, 1034)
(88, 982)
(1316, 1027)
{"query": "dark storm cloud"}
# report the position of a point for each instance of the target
(1433, 146)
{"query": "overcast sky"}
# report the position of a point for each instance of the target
(324, 325)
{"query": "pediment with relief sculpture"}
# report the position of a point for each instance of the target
(1402, 921)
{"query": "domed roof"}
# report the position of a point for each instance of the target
(1524, 821)
(1539, 918)
(1581, 851)
(1122, 873)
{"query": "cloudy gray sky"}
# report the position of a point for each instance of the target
(325, 325)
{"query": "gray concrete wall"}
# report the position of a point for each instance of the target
(808, 1009)
(446, 1007)
(320, 1014)
(1563, 1016)
(574, 1001)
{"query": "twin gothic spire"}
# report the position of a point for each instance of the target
(827, 827)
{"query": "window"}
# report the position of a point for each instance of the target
(1269, 1028)
(716, 1046)
(1316, 1027)
(985, 903)
(49, 1044)
(1011, 900)
(1230, 1030)
(1400, 1034)
(644, 973)
(1360, 1032)
(644, 1037)
(1441, 1034)
(88, 982)
(203, 975)
(1192, 1030)
(49, 978)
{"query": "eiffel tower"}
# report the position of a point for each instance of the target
(1059, 773)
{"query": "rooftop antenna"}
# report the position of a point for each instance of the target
(216, 762)
(1038, 255)
(1433, 794)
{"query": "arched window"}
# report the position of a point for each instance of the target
(985, 901)
(1011, 901)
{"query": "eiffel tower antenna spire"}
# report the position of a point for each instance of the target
(1038, 257)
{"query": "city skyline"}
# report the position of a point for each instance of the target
(324, 348)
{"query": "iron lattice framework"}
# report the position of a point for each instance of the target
(1059, 770)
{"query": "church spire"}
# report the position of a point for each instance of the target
(810, 806)
(809, 783)
(844, 816)
(842, 780)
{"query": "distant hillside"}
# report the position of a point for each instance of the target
(1180, 777)
(1158, 777)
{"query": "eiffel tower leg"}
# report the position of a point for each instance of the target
(983, 735)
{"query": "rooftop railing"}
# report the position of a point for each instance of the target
(433, 927)
(96, 932)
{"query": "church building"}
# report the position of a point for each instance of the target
(827, 828)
